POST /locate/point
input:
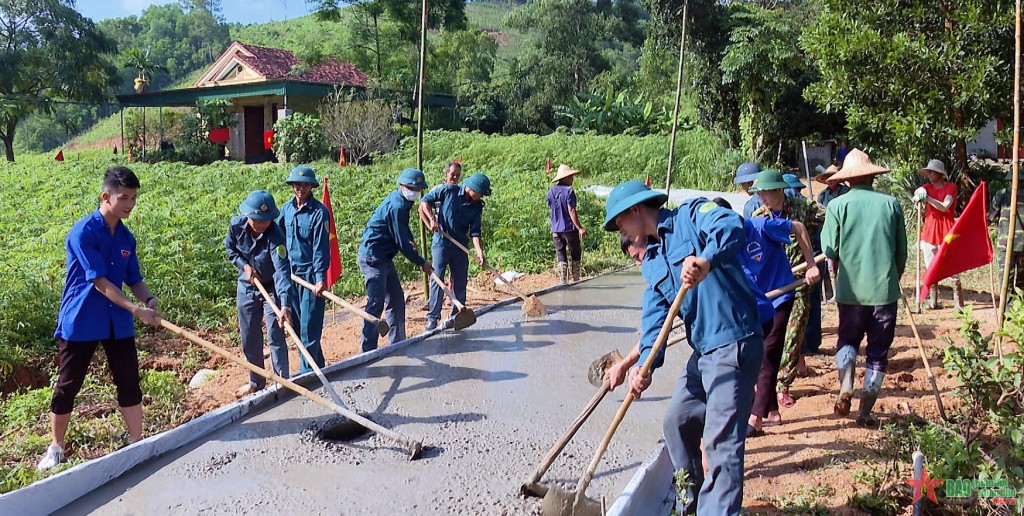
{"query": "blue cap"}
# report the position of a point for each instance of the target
(302, 174)
(793, 181)
(479, 183)
(625, 196)
(412, 178)
(259, 205)
(746, 172)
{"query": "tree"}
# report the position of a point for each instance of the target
(139, 60)
(362, 127)
(51, 53)
(914, 78)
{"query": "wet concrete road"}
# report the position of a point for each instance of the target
(487, 401)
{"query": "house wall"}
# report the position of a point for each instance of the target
(984, 143)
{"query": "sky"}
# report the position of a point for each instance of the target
(234, 11)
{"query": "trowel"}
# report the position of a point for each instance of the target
(465, 317)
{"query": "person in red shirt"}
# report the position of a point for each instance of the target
(939, 198)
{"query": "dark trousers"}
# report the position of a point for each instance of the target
(765, 400)
(570, 240)
(73, 363)
(812, 335)
(877, 322)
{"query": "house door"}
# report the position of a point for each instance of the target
(254, 150)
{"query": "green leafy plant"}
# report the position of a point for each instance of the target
(299, 138)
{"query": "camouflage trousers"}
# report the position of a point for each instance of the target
(795, 331)
(1016, 270)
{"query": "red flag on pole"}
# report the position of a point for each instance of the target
(647, 181)
(341, 161)
(966, 247)
(334, 269)
(547, 171)
(59, 156)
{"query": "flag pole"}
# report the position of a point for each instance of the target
(419, 132)
(675, 111)
(1012, 223)
(917, 295)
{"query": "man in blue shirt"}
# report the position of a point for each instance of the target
(459, 214)
(696, 247)
(306, 224)
(387, 233)
(95, 312)
(256, 245)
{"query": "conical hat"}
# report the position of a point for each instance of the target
(858, 164)
(564, 171)
(827, 174)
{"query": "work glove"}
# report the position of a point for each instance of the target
(920, 194)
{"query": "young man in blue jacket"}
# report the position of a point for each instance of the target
(94, 311)
(306, 222)
(696, 246)
(387, 233)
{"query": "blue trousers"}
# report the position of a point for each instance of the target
(253, 312)
(384, 294)
(448, 256)
(308, 312)
(713, 400)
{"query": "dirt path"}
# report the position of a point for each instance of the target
(815, 461)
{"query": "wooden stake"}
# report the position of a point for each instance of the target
(1015, 181)
(421, 91)
(924, 356)
(675, 111)
(917, 286)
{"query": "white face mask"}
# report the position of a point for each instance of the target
(410, 195)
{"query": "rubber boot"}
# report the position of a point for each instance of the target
(872, 386)
(846, 361)
(933, 297)
(958, 297)
(574, 270)
(563, 273)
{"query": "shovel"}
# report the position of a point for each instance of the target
(382, 327)
(531, 305)
(558, 501)
(465, 317)
(298, 342)
(413, 447)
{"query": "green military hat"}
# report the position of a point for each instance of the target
(479, 183)
(259, 205)
(302, 174)
(769, 180)
(412, 178)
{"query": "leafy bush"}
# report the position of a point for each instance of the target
(299, 138)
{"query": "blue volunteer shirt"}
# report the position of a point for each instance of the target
(307, 232)
(722, 308)
(457, 215)
(266, 253)
(753, 203)
(93, 252)
(387, 232)
(765, 255)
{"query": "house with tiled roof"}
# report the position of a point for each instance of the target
(263, 85)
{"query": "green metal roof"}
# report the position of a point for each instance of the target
(189, 96)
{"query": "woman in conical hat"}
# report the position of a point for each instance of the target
(566, 231)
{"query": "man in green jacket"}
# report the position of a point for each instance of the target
(866, 235)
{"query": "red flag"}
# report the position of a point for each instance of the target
(341, 163)
(268, 140)
(966, 247)
(59, 156)
(220, 135)
(547, 171)
(458, 160)
(334, 269)
(648, 180)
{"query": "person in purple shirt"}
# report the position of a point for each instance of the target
(566, 230)
(95, 312)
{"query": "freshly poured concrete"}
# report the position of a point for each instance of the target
(486, 402)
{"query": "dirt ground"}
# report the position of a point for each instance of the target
(814, 459)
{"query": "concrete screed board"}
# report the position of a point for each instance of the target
(487, 402)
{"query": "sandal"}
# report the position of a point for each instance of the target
(752, 431)
(785, 400)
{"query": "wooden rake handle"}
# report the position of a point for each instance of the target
(924, 357)
(666, 328)
(381, 325)
(413, 447)
(297, 341)
(489, 269)
(574, 427)
(451, 295)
